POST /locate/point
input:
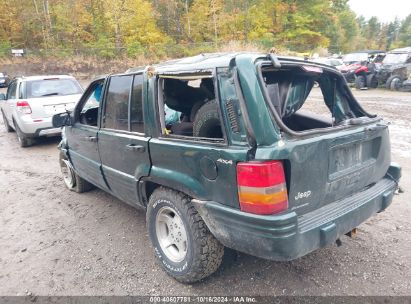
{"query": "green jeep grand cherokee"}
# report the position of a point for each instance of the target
(231, 150)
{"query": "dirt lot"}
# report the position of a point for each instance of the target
(56, 242)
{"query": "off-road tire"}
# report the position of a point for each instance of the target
(372, 81)
(392, 82)
(24, 141)
(204, 253)
(207, 121)
(360, 82)
(6, 123)
(79, 185)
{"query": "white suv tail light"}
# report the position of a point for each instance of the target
(23, 107)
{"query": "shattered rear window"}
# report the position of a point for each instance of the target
(308, 91)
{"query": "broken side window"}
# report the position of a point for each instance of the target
(189, 108)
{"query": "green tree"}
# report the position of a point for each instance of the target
(392, 32)
(206, 20)
(404, 35)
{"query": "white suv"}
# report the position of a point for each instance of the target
(31, 102)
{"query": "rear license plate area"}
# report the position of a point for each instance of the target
(351, 157)
(54, 109)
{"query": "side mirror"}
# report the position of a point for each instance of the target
(2, 96)
(61, 120)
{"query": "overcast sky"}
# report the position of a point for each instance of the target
(385, 10)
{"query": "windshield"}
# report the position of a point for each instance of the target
(52, 87)
(395, 58)
(355, 57)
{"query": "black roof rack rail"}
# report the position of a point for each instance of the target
(274, 59)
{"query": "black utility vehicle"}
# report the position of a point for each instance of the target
(361, 68)
(395, 68)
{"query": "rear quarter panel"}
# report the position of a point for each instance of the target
(201, 171)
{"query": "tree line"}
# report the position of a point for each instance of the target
(181, 27)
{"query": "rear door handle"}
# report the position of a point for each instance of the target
(136, 148)
(91, 138)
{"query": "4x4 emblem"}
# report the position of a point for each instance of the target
(226, 162)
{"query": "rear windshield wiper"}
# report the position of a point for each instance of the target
(50, 94)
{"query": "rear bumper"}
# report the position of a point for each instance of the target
(288, 236)
(32, 128)
(49, 132)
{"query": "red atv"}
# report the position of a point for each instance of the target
(362, 67)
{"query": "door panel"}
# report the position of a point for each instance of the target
(124, 154)
(83, 138)
(125, 160)
(10, 103)
(84, 153)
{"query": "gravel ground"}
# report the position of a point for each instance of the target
(56, 242)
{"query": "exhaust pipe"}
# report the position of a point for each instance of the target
(352, 233)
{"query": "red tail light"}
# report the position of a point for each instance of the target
(262, 187)
(23, 107)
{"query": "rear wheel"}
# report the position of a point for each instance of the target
(395, 83)
(6, 123)
(184, 246)
(396, 79)
(372, 81)
(70, 177)
(24, 141)
(360, 82)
